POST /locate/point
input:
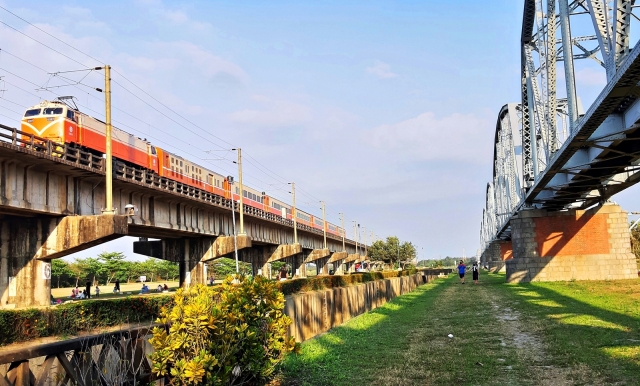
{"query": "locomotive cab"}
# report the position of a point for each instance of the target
(54, 121)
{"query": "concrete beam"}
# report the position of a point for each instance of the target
(191, 253)
(351, 258)
(226, 245)
(317, 254)
(76, 233)
(337, 256)
(28, 244)
(284, 251)
(209, 248)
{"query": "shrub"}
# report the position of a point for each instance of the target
(322, 282)
(71, 318)
(227, 334)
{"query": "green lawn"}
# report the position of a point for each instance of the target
(503, 334)
(586, 323)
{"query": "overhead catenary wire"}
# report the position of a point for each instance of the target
(120, 124)
(257, 164)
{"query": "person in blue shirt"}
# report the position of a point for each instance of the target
(461, 269)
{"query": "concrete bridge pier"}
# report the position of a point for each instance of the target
(27, 246)
(574, 244)
(191, 253)
(319, 257)
(496, 254)
(290, 253)
(338, 258)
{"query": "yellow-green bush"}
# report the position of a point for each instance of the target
(220, 335)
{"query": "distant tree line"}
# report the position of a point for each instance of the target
(108, 267)
(447, 262)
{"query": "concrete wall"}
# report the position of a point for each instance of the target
(495, 256)
(315, 312)
(575, 244)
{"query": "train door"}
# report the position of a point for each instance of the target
(153, 158)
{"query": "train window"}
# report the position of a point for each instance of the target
(181, 165)
(71, 115)
(153, 150)
(53, 111)
(32, 112)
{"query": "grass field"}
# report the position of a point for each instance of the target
(573, 333)
(106, 292)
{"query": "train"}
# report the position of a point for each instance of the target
(60, 122)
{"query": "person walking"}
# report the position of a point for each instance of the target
(88, 289)
(283, 273)
(475, 271)
(117, 286)
(461, 270)
(97, 291)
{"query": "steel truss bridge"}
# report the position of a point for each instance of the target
(548, 152)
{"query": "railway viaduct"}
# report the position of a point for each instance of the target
(51, 200)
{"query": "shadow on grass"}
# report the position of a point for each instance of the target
(350, 353)
(585, 326)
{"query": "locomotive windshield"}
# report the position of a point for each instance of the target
(53, 111)
(32, 112)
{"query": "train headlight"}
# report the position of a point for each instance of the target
(50, 119)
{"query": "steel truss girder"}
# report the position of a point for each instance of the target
(542, 115)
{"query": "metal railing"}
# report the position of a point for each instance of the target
(115, 358)
(65, 153)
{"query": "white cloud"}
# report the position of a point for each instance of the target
(427, 137)
(381, 70)
(274, 113)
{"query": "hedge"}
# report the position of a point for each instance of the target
(71, 318)
(322, 282)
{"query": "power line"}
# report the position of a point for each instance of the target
(52, 49)
(41, 30)
(251, 177)
(257, 163)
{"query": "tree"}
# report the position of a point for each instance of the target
(392, 251)
(635, 244)
(168, 270)
(149, 268)
(60, 268)
(224, 267)
(79, 269)
(113, 263)
(93, 268)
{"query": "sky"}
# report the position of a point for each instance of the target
(385, 110)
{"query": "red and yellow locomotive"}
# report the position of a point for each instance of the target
(62, 123)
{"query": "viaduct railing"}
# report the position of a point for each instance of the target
(77, 157)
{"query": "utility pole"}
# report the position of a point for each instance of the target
(233, 216)
(324, 226)
(293, 213)
(365, 240)
(108, 151)
(241, 191)
(355, 235)
(344, 232)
